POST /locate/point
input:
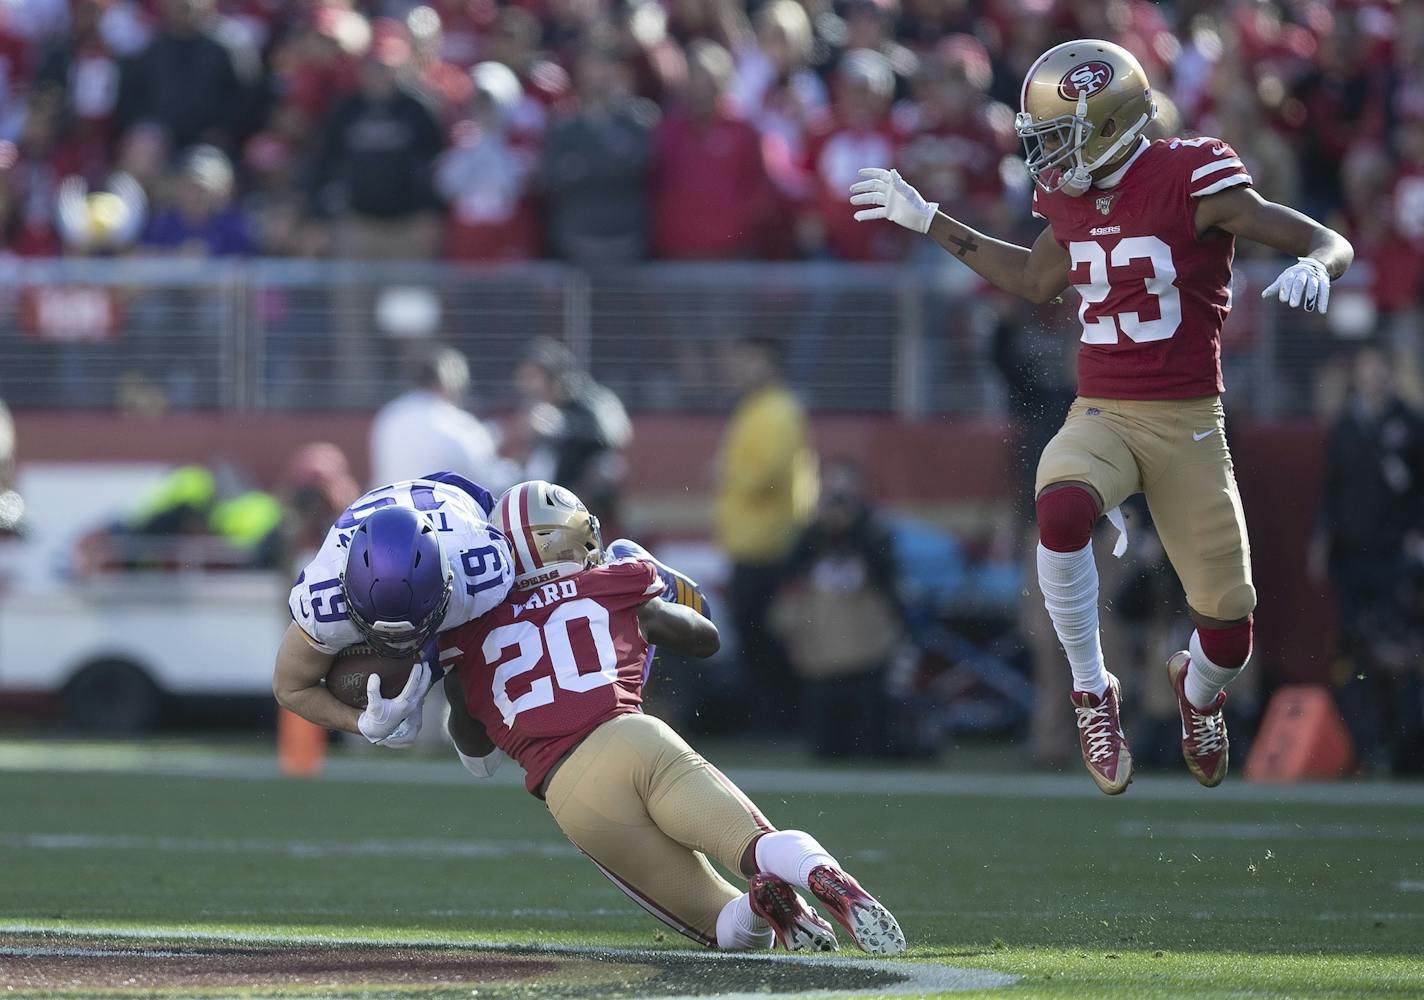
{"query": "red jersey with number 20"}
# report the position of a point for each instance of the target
(1155, 294)
(550, 665)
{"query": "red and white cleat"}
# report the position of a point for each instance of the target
(797, 926)
(1205, 747)
(870, 925)
(1100, 738)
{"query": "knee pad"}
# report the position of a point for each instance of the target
(1066, 516)
(1236, 603)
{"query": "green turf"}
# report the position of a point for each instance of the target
(1082, 896)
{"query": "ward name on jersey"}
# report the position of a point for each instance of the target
(552, 664)
(477, 552)
(1154, 293)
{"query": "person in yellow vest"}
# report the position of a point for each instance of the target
(766, 494)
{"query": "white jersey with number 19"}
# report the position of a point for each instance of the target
(477, 552)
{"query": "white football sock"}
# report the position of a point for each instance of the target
(790, 855)
(1069, 581)
(738, 928)
(1205, 680)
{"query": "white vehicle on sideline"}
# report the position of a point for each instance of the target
(118, 646)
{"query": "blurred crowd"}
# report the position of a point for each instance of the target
(601, 131)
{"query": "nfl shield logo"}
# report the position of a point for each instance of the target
(1105, 203)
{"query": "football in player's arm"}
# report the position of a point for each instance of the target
(402, 564)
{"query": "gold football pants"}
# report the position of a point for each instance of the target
(1174, 452)
(649, 811)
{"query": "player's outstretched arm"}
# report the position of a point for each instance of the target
(1038, 274)
(678, 628)
(297, 684)
(1322, 253)
(477, 751)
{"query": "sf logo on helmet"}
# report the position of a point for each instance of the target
(566, 498)
(1085, 80)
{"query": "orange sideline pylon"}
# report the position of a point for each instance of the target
(301, 745)
(1301, 738)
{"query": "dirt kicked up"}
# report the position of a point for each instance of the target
(60, 965)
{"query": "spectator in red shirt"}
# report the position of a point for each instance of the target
(1399, 261)
(711, 195)
(958, 136)
(485, 176)
(859, 132)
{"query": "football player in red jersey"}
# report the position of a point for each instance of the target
(1145, 232)
(553, 677)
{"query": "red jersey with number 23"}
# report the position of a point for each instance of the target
(1154, 293)
(550, 665)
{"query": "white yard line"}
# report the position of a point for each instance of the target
(1410, 885)
(919, 978)
(85, 953)
(1208, 831)
(381, 768)
(493, 849)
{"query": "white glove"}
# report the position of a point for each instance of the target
(894, 199)
(406, 733)
(1305, 283)
(395, 722)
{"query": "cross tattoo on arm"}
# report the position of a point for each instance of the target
(965, 244)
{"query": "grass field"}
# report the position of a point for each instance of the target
(404, 878)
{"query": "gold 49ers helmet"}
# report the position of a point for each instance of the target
(550, 531)
(1083, 103)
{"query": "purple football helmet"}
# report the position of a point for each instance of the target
(397, 583)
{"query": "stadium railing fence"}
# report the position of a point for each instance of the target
(183, 334)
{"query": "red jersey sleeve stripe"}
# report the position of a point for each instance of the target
(1226, 182)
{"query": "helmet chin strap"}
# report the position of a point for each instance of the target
(1077, 181)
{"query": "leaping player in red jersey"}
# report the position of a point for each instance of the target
(553, 677)
(1145, 232)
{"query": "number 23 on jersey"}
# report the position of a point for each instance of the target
(1102, 327)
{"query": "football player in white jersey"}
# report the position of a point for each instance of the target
(401, 564)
